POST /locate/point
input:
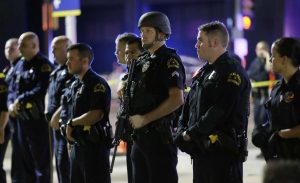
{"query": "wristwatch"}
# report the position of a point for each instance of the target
(70, 123)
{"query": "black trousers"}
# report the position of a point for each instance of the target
(152, 160)
(90, 163)
(2, 153)
(17, 167)
(129, 162)
(61, 157)
(33, 139)
(217, 167)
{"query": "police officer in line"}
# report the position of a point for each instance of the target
(283, 105)
(88, 126)
(133, 49)
(120, 42)
(13, 55)
(31, 82)
(212, 126)
(4, 131)
(57, 84)
(157, 91)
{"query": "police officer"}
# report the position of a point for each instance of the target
(157, 91)
(13, 55)
(284, 103)
(133, 49)
(57, 84)
(4, 131)
(32, 78)
(89, 122)
(120, 42)
(212, 126)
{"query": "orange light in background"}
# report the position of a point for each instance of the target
(247, 22)
(48, 22)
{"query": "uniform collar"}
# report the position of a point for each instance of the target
(32, 60)
(16, 61)
(223, 58)
(159, 51)
(87, 75)
(294, 80)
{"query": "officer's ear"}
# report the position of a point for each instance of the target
(85, 61)
(214, 42)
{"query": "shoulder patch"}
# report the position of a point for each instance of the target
(234, 78)
(46, 68)
(99, 88)
(172, 63)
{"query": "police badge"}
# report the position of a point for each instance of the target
(288, 96)
(146, 66)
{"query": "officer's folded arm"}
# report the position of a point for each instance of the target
(88, 118)
(290, 133)
(207, 122)
(174, 101)
(54, 122)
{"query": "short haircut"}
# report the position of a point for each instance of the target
(13, 41)
(84, 50)
(218, 29)
(289, 47)
(125, 37)
(137, 41)
(63, 39)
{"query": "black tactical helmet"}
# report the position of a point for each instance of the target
(157, 20)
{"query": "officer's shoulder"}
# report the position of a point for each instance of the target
(99, 84)
(95, 78)
(44, 63)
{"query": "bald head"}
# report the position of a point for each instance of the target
(29, 45)
(59, 46)
(11, 50)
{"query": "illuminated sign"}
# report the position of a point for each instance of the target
(62, 8)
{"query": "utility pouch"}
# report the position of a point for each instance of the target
(29, 111)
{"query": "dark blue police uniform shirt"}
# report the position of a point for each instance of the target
(92, 93)
(3, 93)
(57, 83)
(284, 103)
(154, 75)
(219, 98)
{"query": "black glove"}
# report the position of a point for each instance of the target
(260, 135)
(185, 146)
(274, 139)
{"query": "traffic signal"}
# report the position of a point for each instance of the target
(247, 22)
(247, 8)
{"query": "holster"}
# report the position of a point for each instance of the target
(30, 111)
(187, 147)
